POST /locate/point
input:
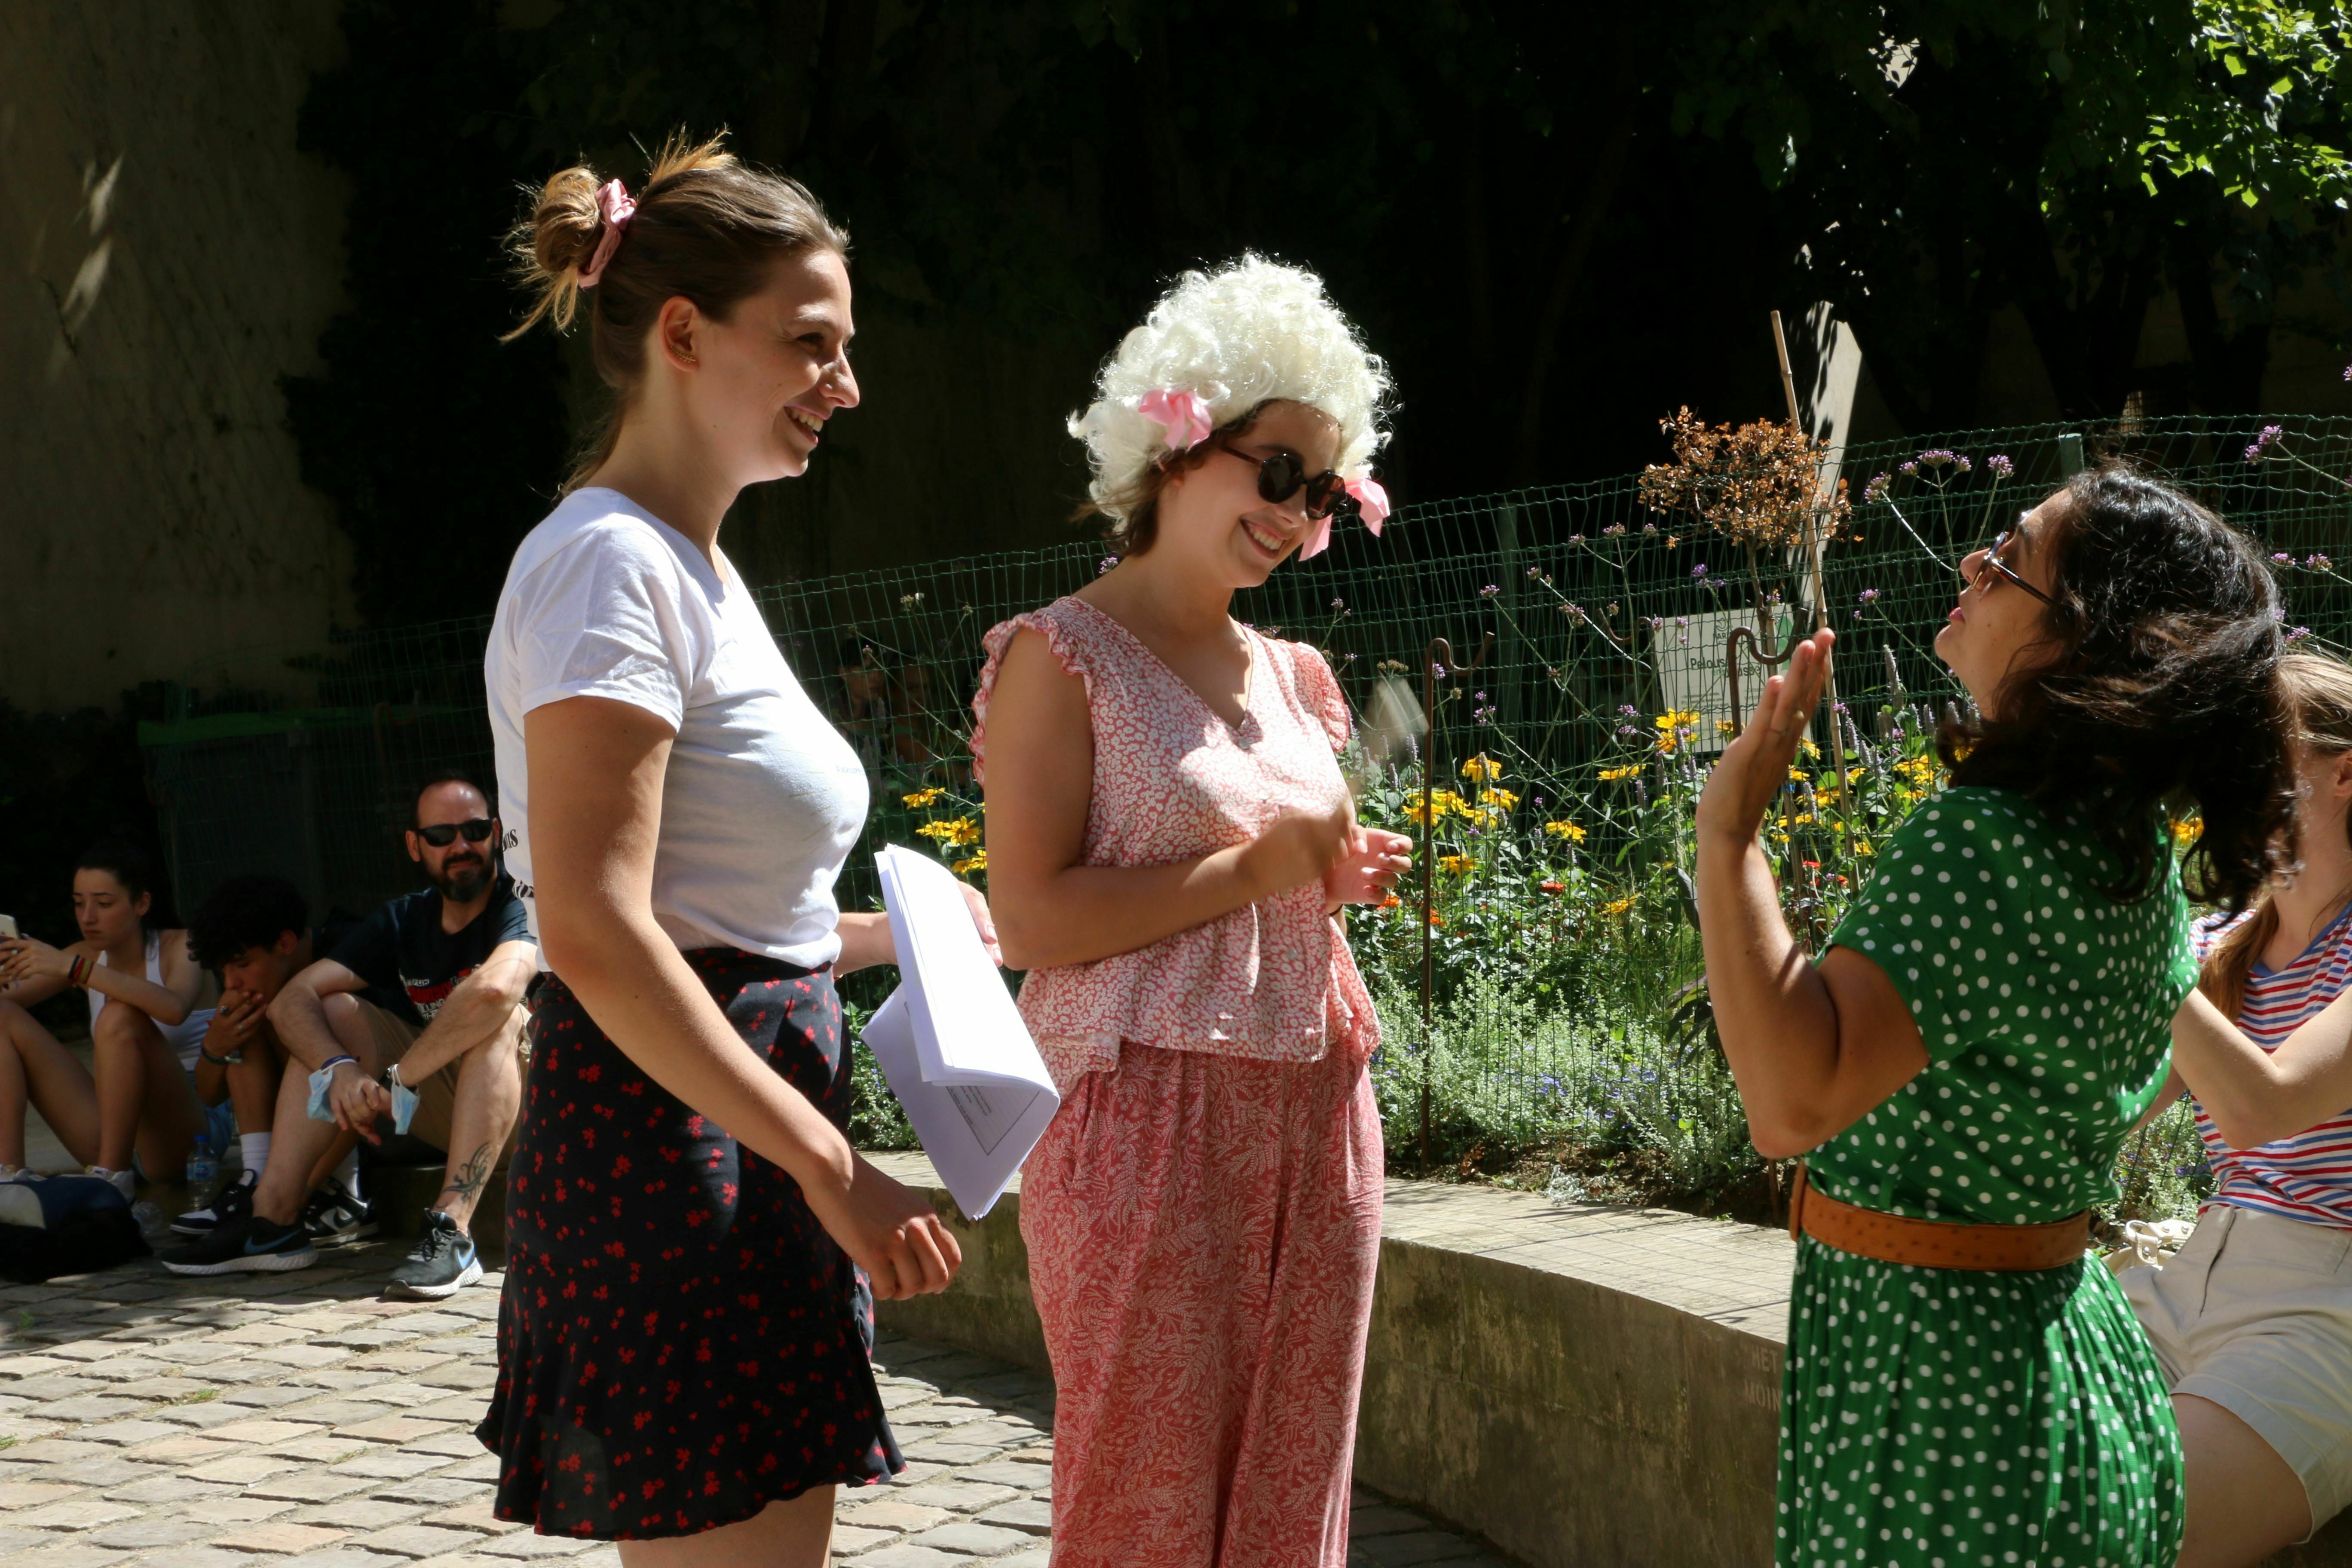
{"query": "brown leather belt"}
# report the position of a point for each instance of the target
(1936, 1243)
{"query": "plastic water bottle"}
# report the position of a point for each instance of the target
(202, 1167)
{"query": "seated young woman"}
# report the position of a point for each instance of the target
(2252, 1320)
(150, 1006)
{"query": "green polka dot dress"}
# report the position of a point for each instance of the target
(1938, 1417)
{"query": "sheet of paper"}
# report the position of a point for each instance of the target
(951, 1042)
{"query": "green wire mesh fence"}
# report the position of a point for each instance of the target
(1597, 606)
(1603, 613)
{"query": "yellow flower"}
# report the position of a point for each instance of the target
(1458, 865)
(957, 831)
(922, 797)
(979, 862)
(1611, 775)
(1725, 726)
(1618, 908)
(2186, 830)
(1482, 769)
(1799, 775)
(1443, 803)
(1569, 831)
(1674, 726)
(1809, 749)
(1500, 797)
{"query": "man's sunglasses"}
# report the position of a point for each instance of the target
(1280, 477)
(1993, 563)
(442, 834)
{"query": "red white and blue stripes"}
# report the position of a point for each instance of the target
(2308, 1176)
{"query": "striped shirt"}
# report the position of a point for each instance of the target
(2308, 1176)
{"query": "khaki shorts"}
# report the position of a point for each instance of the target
(436, 1097)
(2255, 1314)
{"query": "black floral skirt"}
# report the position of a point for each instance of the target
(680, 1344)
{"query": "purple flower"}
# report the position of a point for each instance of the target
(1937, 458)
(1576, 538)
(2284, 558)
(1699, 570)
(1649, 527)
(1999, 464)
(2295, 634)
(2319, 564)
(1682, 620)
(1535, 573)
(1870, 596)
(1108, 563)
(1614, 530)
(1338, 603)
(1877, 489)
(1489, 591)
(2270, 436)
(1909, 468)
(2347, 372)
(1628, 709)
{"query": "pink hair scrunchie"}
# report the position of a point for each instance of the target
(613, 201)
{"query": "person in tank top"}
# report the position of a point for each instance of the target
(1169, 840)
(2251, 1319)
(150, 1009)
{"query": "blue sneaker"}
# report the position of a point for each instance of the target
(251, 1244)
(442, 1264)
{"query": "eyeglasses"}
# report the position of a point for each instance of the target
(1280, 477)
(442, 834)
(1992, 562)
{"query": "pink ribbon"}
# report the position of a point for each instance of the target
(1183, 414)
(1372, 504)
(613, 201)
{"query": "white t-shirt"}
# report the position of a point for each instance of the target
(762, 799)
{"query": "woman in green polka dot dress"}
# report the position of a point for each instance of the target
(1961, 1067)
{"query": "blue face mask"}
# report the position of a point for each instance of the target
(404, 1098)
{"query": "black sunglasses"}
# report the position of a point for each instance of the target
(1993, 563)
(442, 834)
(1280, 477)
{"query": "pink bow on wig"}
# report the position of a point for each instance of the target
(1372, 506)
(613, 201)
(1183, 414)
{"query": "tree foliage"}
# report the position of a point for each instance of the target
(1556, 221)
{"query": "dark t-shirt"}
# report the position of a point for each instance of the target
(410, 962)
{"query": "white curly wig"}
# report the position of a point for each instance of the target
(1238, 335)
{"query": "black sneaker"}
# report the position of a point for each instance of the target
(227, 1209)
(335, 1218)
(253, 1245)
(442, 1264)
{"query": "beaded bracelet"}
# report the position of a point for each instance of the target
(78, 972)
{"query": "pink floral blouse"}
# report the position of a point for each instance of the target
(1174, 781)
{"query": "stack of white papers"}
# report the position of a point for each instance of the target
(952, 1043)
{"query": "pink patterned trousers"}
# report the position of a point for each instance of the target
(1203, 1232)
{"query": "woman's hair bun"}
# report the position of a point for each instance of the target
(555, 242)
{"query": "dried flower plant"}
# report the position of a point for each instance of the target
(1755, 484)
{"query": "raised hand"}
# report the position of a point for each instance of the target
(1749, 774)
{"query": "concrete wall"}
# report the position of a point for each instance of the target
(169, 255)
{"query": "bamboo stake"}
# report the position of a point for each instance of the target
(1814, 545)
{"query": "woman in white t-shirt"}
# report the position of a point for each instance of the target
(684, 1334)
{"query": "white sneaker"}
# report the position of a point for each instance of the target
(11, 1175)
(125, 1181)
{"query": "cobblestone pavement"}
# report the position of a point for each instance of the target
(295, 1418)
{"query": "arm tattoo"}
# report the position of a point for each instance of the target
(467, 1180)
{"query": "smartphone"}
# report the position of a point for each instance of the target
(8, 931)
